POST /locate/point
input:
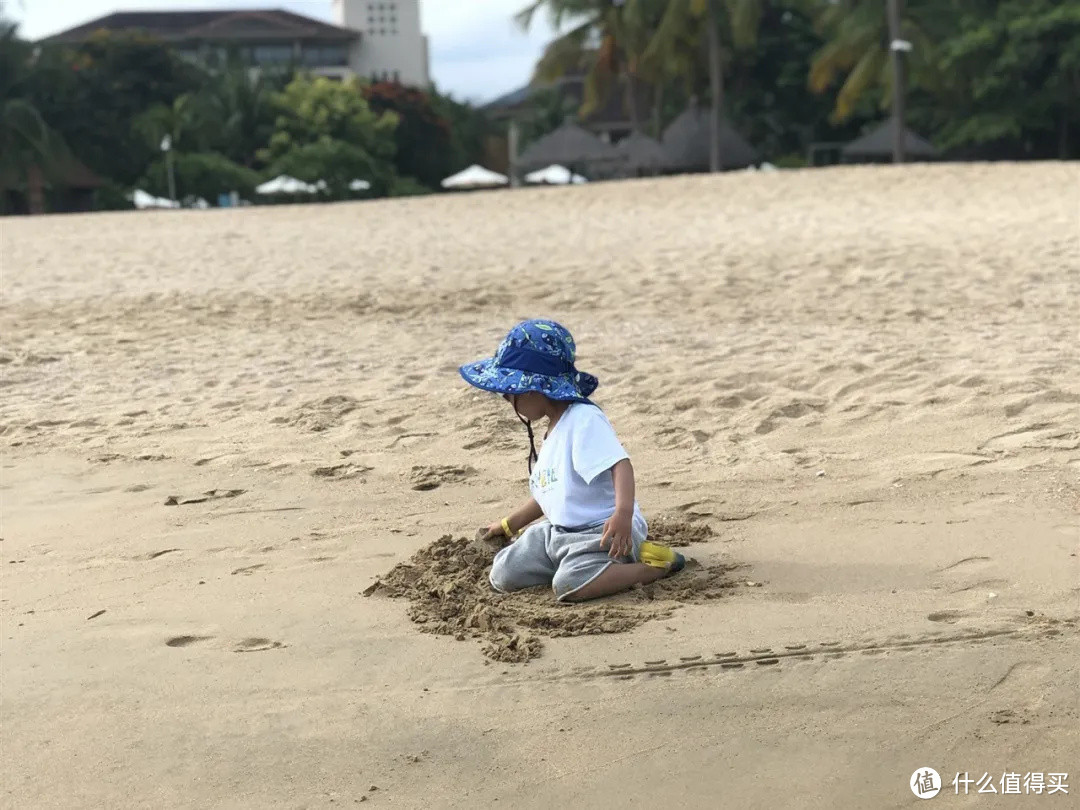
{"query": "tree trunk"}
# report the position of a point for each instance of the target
(658, 109)
(716, 84)
(632, 101)
(895, 11)
(35, 190)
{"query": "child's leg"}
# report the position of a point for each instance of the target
(586, 571)
(524, 563)
(615, 578)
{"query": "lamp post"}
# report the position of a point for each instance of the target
(897, 48)
(166, 147)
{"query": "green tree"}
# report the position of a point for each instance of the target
(422, 136)
(93, 93)
(201, 174)
(767, 95)
(1013, 75)
(730, 26)
(237, 112)
(470, 129)
(606, 40)
(30, 150)
(856, 52)
(326, 130)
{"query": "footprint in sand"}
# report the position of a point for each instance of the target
(426, 478)
(209, 495)
(155, 554)
(341, 472)
(257, 645)
(185, 641)
(948, 616)
(320, 414)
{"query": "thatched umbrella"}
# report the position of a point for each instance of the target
(569, 145)
(878, 145)
(642, 154)
(686, 143)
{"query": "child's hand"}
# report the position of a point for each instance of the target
(617, 534)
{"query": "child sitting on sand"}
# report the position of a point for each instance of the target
(591, 542)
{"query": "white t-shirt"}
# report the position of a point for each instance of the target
(571, 479)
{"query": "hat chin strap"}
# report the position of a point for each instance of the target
(533, 455)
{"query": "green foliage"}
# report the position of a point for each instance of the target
(422, 137)
(1014, 74)
(93, 93)
(857, 50)
(31, 152)
(550, 109)
(327, 131)
(407, 187)
(201, 174)
(469, 130)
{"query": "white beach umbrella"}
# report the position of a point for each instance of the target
(359, 185)
(283, 184)
(554, 175)
(475, 177)
(143, 200)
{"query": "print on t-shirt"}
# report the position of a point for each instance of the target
(544, 478)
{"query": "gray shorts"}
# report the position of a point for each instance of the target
(565, 559)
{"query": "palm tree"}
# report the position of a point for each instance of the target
(606, 39)
(857, 48)
(729, 25)
(238, 109)
(29, 148)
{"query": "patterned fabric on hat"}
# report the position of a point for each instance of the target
(536, 355)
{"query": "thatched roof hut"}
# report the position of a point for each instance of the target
(686, 143)
(641, 154)
(571, 146)
(878, 145)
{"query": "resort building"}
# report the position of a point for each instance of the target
(381, 40)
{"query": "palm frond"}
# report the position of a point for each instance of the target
(745, 17)
(862, 77)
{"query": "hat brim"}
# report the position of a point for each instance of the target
(488, 376)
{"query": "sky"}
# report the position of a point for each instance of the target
(477, 51)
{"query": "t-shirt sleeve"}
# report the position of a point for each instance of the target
(594, 447)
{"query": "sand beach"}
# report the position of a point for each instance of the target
(238, 463)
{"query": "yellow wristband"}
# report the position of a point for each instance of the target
(506, 527)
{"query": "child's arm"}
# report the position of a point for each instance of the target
(617, 531)
(521, 517)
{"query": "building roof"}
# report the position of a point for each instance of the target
(686, 142)
(642, 152)
(879, 143)
(225, 25)
(569, 145)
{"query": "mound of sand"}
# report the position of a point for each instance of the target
(447, 586)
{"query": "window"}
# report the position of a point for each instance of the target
(272, 54)
(397, 77)
(326, 55)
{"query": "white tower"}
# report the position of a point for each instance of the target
(393, 47)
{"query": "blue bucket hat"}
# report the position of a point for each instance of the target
(536, 355)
